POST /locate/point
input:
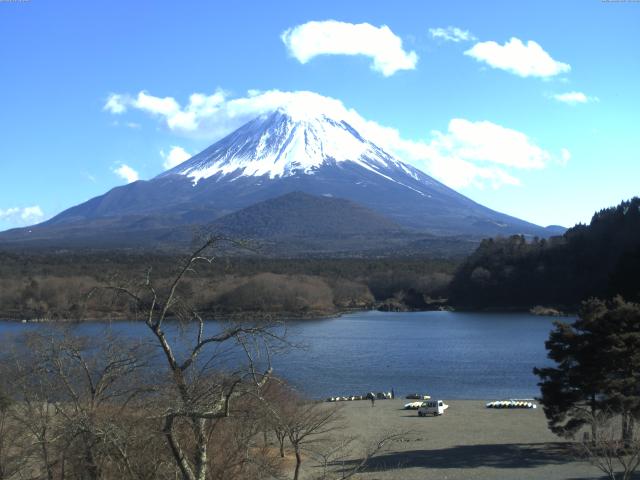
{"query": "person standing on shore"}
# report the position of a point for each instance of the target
(373, 400)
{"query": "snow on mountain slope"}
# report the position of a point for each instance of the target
(302, 146)
(283, 143)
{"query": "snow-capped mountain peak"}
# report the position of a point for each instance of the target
(289, 141)
(302, 145)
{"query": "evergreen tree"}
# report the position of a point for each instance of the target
(572, 391)
(598, 367)
(620, 328)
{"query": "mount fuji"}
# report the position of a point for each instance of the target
(288, 150)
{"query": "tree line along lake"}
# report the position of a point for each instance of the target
(449, 355)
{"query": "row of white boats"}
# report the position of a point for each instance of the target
(383, 396)
(368, 396)
(513, 403)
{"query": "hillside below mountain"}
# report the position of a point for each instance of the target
(299, 214)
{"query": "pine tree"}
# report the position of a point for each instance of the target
(620, 326)
(598, 368)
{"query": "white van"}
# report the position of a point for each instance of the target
(432, 407)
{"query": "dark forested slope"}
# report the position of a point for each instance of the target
(600, 259)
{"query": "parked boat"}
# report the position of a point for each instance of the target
(376, 396)
(513, 403)
(418, 396)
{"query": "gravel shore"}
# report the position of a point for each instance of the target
(468, 442)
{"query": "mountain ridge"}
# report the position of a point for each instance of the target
(273, 155)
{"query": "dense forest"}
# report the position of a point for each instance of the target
(55, 285)
(601, 259)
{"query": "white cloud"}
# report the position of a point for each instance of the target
(565, 156)
(528, 60)
(126, 173)
(468, 153)
(212, 116)
(486, 141)
(477, 153)
(573, 98)
(176, 156)
(22, 216)
(9, 212)
(340, 38)
(116, 104)
(31, 214)
(132, 125)
(452, 34)
(161, 106)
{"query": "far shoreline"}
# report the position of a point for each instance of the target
(319, 315)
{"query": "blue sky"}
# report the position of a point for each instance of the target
(547, 131)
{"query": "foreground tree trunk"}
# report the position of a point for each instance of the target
(628, 426)
(594, 423)
(296, 473)
(201, 452)
(200, 397)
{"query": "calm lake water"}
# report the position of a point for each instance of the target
(448, 355)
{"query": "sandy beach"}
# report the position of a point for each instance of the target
(468, 442)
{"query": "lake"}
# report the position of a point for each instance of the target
(448, 355)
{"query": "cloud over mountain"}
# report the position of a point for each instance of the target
(127, 173)
(175, 157)
(19, 216)
(469, 153)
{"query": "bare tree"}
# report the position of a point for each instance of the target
(277, 406)
(336, 460)
(74, 399)
(97, 380)
(34, 413)
(197, 394)
(308, 424)
(290, 417)
(245, 455)
(614, 454)
(313, 430)
(13, 440)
